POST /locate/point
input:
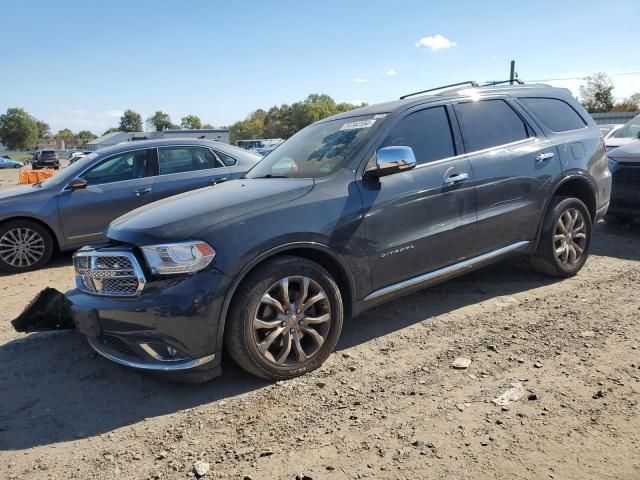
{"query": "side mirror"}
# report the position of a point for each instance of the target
(390, 160)
(77, 184)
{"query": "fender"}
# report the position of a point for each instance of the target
(264, 256)
(570, 176)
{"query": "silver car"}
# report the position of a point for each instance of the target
(72, 208)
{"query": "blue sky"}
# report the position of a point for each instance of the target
(79, 64)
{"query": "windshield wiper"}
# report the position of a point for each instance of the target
(268, 175)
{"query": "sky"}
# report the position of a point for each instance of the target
(80, 64)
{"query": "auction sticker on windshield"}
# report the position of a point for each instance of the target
(357, 125)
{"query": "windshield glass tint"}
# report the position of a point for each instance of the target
(630, 130)
(317, 150)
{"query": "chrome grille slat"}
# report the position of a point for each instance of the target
(108, 273)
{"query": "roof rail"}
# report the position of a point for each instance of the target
(500, 82)
(468, 82)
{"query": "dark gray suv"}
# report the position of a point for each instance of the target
(352, 211)
(74, 207)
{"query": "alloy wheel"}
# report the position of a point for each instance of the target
(292, 321)
(570, 237)
(21, 247)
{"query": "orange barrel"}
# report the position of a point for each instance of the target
(32, 176)
(23, 176)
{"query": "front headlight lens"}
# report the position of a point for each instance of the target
(612, 163)
(176, 258)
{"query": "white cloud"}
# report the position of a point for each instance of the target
(113, 113)
(437, 42)
(359, 80)
(390, 73)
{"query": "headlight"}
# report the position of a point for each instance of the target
(175, 258)
(612, 163)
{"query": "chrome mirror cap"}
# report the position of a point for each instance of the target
(390, 160)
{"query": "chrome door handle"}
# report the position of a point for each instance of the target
(215, 181)
(460, 177)
(541, 157)
(142, 191)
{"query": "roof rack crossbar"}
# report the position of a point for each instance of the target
(501, 82)
(469, 82)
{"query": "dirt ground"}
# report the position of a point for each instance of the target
(387, 404)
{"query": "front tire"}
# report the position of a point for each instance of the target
(24, 246)
(565, 241)
(285, 319)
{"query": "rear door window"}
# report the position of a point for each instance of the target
(489, 123)
(427, 132)
(186, 159)
(555, 114)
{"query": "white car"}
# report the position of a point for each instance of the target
(629, 132)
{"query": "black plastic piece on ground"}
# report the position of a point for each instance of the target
(49, 310)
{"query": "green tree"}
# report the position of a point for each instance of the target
(85, 136)
(111, 130)
(596, 94)
(208, 126)
(130, 121)
(191, 122)
(18, 129)
(65, 133)
(160, 121)
(43, 129)
(629, 104)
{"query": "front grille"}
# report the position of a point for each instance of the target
(627, 175)
(115, 274)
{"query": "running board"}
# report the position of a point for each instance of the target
(446, 271)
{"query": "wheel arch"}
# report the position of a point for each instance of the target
(42, 223)
(317, 252)
(578, 186)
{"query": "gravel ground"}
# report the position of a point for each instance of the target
(387, 404)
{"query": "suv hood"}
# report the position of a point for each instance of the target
(183, 216)
(629, 153)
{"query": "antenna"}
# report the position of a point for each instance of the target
(513, 75)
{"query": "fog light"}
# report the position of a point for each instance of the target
(162, 353)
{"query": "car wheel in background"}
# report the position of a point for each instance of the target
(565, 240)
(285, 319)
(24, 246)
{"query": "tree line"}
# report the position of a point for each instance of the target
(21, 131)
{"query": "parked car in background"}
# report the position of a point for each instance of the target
(352, 211)
(624, 163)
(45, 159)
(72, 208)
(629, 132)
(75, 156)
(608, 129)
(8, 163)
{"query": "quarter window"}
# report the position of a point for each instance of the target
(427, 132)
(126, 166)
(489, 123)
(555, 114)
(185, 159)
(228, 160)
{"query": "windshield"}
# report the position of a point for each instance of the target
(317, 150)
(71, 172)
(630, 130)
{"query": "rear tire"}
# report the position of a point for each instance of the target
(24, 246)
(565, 240)
(285, 319)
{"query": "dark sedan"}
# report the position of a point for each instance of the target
(624, 163)
(74, 207)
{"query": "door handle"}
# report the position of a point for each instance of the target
(541, 157)
(215, 181)
(142, 191)
(460, 177)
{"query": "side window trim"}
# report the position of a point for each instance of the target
(222, 164)
(533, 135)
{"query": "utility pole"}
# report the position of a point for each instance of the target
(512, 75)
